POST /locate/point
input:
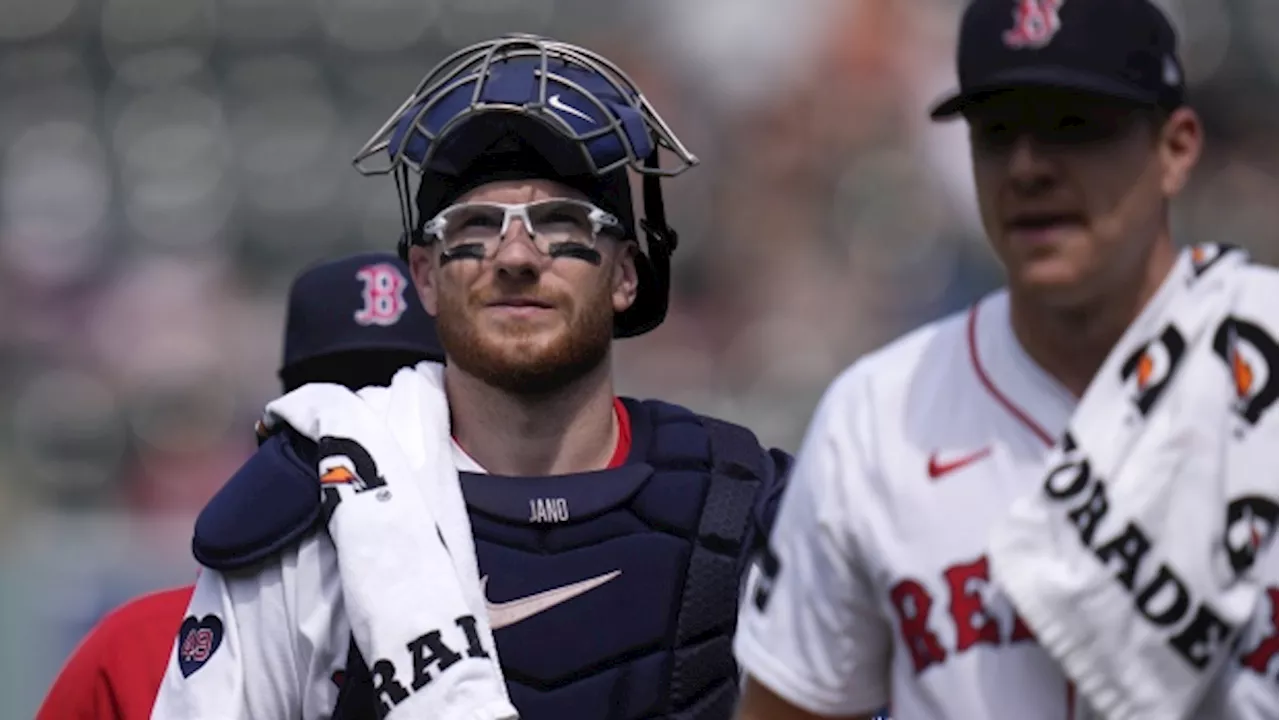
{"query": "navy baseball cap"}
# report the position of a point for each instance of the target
(1125, 49)
(363, 302)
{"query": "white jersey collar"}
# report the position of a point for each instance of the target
(1036, 400)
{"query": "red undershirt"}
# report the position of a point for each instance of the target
(623, 449)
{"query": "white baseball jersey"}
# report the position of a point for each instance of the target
(876, 589)
(290, 675)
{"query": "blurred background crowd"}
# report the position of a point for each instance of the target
(167, 166)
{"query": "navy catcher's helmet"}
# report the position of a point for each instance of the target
(355, 321)
(523, 106)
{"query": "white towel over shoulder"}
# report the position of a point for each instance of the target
(405, 552)
(1133, 561)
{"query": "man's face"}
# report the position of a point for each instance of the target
(1072, 188)
(521, 319)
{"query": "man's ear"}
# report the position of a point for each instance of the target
(1181, 140)
(626, 281)
(422, 266)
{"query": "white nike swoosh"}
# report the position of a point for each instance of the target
(505, 614)
(555, 102)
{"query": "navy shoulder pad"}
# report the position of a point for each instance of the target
(737, 448)
(663, 411)
(664, 434)
(271, 502)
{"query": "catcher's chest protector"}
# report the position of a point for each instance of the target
(613, 595)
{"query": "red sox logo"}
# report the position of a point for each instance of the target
(383, 295)
(1035, 22)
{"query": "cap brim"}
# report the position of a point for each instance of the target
(485, 132)
(1039, 77)
(356, 346)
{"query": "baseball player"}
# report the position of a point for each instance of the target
(878, 585)
(612, 534)
(352, 321)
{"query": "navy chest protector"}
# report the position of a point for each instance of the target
(613, 595)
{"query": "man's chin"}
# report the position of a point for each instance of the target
(511, 330)
(518, 353)
(1053, 282)
(520, 344)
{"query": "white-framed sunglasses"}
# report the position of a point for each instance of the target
(551, 223)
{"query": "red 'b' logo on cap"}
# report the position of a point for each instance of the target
(1035, 22)
(383, 295)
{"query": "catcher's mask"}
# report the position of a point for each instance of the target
(523, 106)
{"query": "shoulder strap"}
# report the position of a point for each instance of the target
(737, 470)
(705, 622)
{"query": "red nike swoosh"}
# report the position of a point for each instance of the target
(938, 469)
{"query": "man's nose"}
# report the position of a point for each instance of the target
(517, 255)
(1030, 167)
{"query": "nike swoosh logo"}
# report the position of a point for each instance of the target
(555, 102)
(938, 468)
(506, 614)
